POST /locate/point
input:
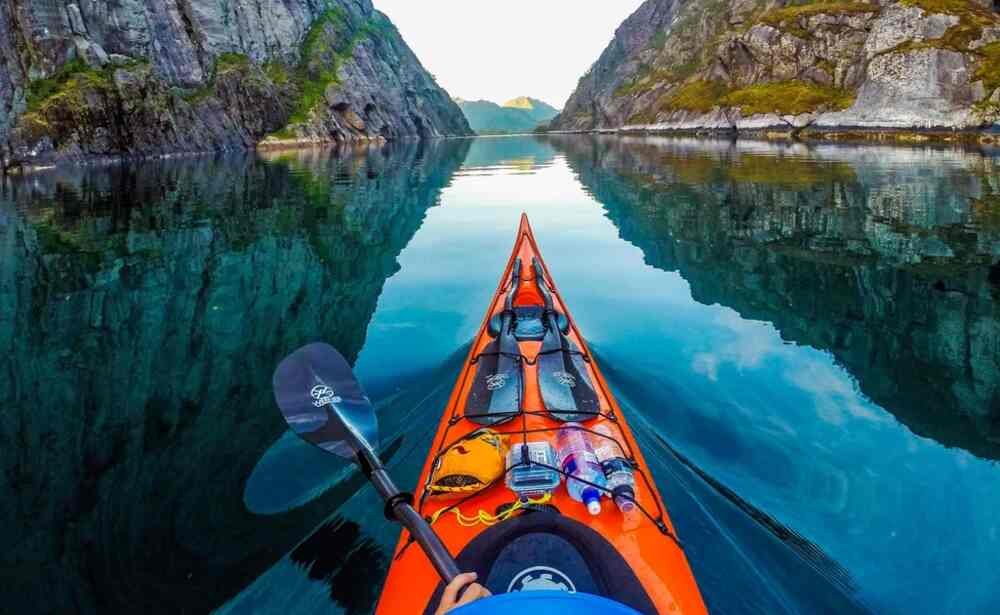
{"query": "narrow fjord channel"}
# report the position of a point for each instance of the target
(806, 339)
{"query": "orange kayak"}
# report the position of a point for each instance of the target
(528, 373)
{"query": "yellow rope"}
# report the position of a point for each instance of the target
(486, 518)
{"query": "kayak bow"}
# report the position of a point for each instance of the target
(528, 371)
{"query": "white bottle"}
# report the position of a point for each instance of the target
(618, 472)
(577, 458)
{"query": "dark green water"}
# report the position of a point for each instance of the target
(808, 339)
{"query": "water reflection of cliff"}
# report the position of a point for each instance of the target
(887, 258)
(143, 311)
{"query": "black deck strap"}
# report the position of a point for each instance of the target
(392, 502)
(491, 353)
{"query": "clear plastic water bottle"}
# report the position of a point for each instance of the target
(618, 472)
(577, 458)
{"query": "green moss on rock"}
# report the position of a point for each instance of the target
(972, 18)
(788, 98)
(278, 73)
(229, 62)
(989, 67)
(789, 18)
(781, 97)
(701, 96)
(70, 78)
(326, 46)
(646, 79)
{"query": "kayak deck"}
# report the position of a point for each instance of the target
(645, 538)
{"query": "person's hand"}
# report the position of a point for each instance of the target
(474, 591)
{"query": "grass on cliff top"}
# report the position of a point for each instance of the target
(781, 97)
(787, 18)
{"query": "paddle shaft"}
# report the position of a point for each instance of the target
(409, 518)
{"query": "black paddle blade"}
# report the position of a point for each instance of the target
(564, 381)
(323, 402)
(496, 389)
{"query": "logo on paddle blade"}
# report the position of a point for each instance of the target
(541, 578)
(324, 395)
(565, 378)
(496, 381)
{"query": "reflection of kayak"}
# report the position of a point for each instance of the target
(528, 371)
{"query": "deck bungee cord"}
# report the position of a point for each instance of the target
(656, 519)
(507, 292)
(530, 444)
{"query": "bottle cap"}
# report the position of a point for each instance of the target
(624, 497)
(625, 505)
(593, 500)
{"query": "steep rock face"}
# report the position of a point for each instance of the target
(749, 64)
(106, 78)
(145, 308)
(893, 269)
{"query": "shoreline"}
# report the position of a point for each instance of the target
(899, 137)
(20, 168)
(838, 134)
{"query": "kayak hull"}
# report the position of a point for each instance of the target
(648, 544)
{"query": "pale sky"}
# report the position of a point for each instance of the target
(499, 50)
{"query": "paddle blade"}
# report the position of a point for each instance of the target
(323, 402)
(564, 382)
(496, 391)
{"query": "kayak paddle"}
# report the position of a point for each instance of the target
(324, 405)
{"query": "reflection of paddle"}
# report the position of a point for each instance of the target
(563, 378)
(495, 396)
(324, 405)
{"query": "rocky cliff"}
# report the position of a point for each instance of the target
(137, 77)
(754, 64)
(906, 298)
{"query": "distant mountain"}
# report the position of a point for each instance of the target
(521, 114)
(539, 110)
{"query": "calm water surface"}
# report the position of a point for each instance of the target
(807, 338)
